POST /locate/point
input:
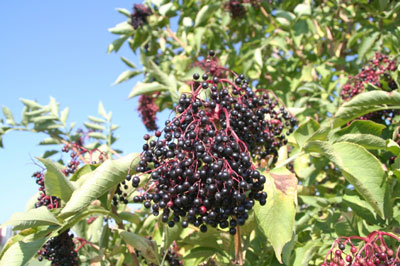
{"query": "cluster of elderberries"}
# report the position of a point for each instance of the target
(50, 202)
(201, 171)
(378, 73)
(148, 109)
(373, 251)
(139, 15)
(60, 251)
(236, 8)
(73, 165)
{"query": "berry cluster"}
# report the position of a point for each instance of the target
(378, 73)
(50, 202)
(139, 15)
(148, 109)
(72, 166)
(201, 172)
(373, 251)
(236, 8)
(60, 251)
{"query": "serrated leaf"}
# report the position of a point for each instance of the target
(201, 15)
(82, 171)
(360, 168)
(148, 248)
(101, 110)
(116, 44)
(126, 75)
(122, 28)
(55, 182)
(9, 117)
(276, 218)
(32, 218)
(94, 126)
(21, 252)
(44, 118)
(365, 103)
(143, 88)
(99, 182)
(47, 154)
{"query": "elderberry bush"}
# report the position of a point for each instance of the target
(60, 251)
(201, 170)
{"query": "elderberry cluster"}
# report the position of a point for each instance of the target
(148, 109)
(60, 251)
(201, 171)
(236, 8)
(378, 73)
(73, 165)
(50, 202)
(139, 15)
(373, 252)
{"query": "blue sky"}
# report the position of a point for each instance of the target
(58, 48)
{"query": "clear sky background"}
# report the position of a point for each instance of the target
(58, 48)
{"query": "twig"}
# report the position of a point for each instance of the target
(173, 35)
(238, 248)
(75, 150)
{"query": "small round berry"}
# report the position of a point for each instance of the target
(211, 53)
(203, 228)
(196, 76)
(146, 137)
(205, 76)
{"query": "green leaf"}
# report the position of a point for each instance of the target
(55, 182)
(368, 141)
(9, 117)
(122, 28)
(360, 168)
(148, 248)
(87, 168)
(258, 57)
(32, 218)
(127, 62)
(99, 182)
(360, 207)
(64, 115)
(302, 10)
(21, 252)
(365, 103)
(96, 135)
(53, 106)
(305, 131)
(167, 9)
(276, 219)
(187, 22)
(361, 127)
(124, 12)
(116, 44)
(143, 88)
(101, 110)
(393, 147)
(50, 141)
(96, 119)
(126, 75)
(29, 103)
(94, 126)
(201, 15)
(366, 45)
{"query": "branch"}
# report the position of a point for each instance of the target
(173, 35)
